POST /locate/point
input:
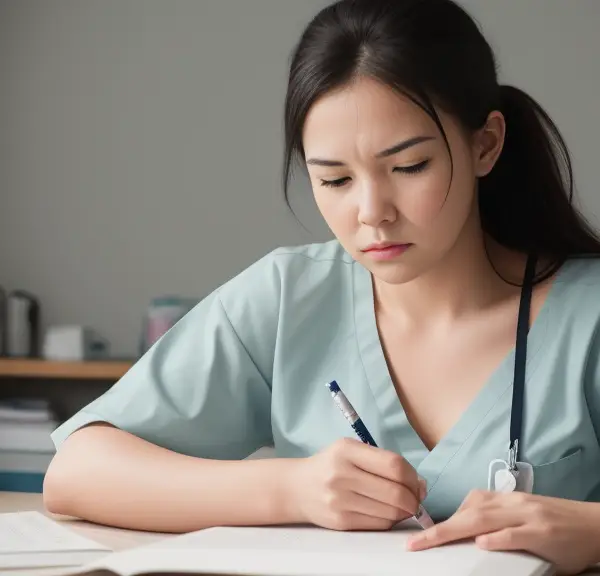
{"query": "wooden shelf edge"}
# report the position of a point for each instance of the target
(38, 368)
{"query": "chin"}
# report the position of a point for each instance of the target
(391, 272)
(395, 277)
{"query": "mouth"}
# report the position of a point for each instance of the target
(386, 251)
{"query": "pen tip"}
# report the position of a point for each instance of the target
(333, 386)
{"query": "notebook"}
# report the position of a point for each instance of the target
(307, 551)
(30, 540)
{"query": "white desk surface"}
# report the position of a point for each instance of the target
(114, 538)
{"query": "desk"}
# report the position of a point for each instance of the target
(114, 538)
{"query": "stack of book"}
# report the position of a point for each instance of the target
(25, 444)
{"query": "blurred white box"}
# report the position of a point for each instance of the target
(73, 343)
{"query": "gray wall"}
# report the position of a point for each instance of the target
(140, 140)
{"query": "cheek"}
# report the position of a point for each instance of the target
(337, 211)
(435, 198)
(423, 199)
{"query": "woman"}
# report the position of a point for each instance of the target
(442, 189)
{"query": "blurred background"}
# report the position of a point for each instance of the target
(140, 168)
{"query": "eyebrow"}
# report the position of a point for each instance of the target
(401, 146)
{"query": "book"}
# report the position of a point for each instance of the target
(25, 410)
(308, 551)
(18, 436)
(32, 540)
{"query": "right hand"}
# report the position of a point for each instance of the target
(354, 486)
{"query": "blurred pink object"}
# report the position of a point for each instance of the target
(163, 313)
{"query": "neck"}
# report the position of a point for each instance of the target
(462, 284)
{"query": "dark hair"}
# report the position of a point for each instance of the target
(432, 51)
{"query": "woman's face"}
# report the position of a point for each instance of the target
(381, 174)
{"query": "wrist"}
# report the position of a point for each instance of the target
(263, 492)
(289, 496)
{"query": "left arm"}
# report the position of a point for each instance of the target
(563, 532)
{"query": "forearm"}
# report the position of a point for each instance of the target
(108, 476)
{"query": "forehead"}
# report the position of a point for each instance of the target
(366, 115)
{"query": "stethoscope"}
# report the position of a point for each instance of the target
(511, 474)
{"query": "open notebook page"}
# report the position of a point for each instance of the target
(310, 551)
(29, 539)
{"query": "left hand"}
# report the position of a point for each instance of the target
(563, 532)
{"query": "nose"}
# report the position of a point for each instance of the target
(376, 204)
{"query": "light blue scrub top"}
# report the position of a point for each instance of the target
(247, 368)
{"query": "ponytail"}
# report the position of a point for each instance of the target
(526, 200)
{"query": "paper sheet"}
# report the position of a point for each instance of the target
(31, 539)
(311, 552)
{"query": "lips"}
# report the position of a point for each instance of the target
(384, 246)
(384, 252)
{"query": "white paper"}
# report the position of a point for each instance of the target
(310, 552)
(31, 539)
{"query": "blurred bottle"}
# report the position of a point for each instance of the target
(23, 324)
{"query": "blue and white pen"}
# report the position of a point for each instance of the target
(422, 517)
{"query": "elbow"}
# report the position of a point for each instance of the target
(62, 481)
(56, 491)
(70, 482)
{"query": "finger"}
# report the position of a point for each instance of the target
(518, 538)
(358, 503)
(356, 521)
(385, 464)
(477, 498)
(528, 539)
(384, 491)
(565, 557)
(467, 524)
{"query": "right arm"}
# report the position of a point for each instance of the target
(133, 484)
(109, 476)
(164, 448)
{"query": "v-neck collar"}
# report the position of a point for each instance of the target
(398, 434)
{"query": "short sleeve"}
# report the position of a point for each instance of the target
(204, 389)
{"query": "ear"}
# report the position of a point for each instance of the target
(487, 144)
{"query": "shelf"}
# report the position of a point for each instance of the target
(34, 368)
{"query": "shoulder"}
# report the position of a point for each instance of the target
(573, 303)
(247, 315)
(331, 251)
(576, 327)
(577, 284)
(282, 281)
(289, 261)
(287, 270)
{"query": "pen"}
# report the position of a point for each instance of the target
(422, 517)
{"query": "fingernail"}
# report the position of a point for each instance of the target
(413, 542)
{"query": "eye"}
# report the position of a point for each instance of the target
(335, 183)
(414, 169)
